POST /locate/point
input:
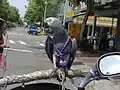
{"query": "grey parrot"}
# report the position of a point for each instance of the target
(60, 47)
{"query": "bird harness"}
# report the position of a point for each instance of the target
(61, 53)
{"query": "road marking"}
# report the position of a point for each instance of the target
(41, 44)
(18, 50)
(11, 41)
(20, 34)
(21, 42)
(38, 41)
(15, 33)
(9, 33)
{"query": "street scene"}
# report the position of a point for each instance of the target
(26, 54)
(45, 42)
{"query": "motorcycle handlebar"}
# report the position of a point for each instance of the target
(5, 47)
(81, 88)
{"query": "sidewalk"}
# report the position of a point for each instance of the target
(86, 62)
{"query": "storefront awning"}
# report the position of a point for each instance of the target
(101, 21)
(79, 14)
(107, 13)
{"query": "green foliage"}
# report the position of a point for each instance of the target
(35, 10)
(32, 13)
(9, 13)
(52, 9)
(76, 3)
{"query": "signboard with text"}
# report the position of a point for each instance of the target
(74, 30)
(69, 14)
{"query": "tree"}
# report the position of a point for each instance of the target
(52, 9)
(4, 10)
(9, 13)
(35, 10)
(89, 10)
(32, 12)
(39, 75)
(13, 12)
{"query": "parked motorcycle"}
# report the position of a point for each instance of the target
(107, 66)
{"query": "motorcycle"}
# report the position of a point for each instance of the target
(107, 67)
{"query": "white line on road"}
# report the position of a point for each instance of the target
(19, 50)
(14, 33)
(11, 41)
(9, 33)
(38, 41)
(21, 42)
(20, 34)
(41, 44)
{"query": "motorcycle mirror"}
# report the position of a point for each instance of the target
(109, 64)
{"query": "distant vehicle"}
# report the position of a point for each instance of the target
(33, 29)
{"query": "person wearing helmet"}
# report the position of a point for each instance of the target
(3, 38)
(60, 49)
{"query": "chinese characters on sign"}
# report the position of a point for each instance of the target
(74, 30)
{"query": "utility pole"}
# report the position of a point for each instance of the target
(45, 11)
(65, 10)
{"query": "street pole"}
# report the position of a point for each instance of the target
(65, 7)
(45, 11)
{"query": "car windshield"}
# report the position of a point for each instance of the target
(33, 26)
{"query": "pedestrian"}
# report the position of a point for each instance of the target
(3, 39)
(111, 43)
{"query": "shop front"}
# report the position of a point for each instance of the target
(69, 18)
(73, 28)
(103, 36)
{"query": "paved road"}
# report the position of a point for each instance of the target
(26, 54)
(23, 54)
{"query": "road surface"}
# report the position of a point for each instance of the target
(26, 54)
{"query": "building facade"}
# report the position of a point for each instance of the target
(107, 24)
(65, 7)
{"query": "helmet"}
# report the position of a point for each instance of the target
(53, 24)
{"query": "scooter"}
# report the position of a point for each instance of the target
(107, 66)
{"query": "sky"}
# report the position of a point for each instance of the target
(19, 4)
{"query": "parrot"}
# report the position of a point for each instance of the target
(60, 47)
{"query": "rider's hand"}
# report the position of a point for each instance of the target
(3, 45)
